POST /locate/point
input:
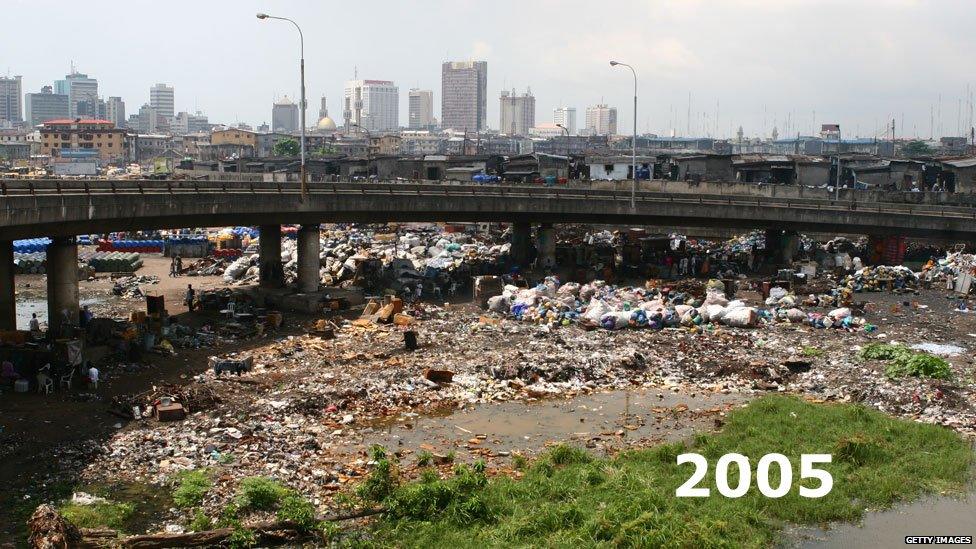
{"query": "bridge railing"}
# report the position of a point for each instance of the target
(65, 187)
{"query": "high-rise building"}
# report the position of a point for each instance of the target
(464, 95)
(284, 116)
(93, 108)
(11, 92)
(517, 113)
(44, 106)
(148, 119)
(566, 117)
(372, 104)
(421, 109)
(78, 87)
(601, 120)
(162, 98)
(115, 111)
(184, 123)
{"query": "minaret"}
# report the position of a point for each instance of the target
(323, 110)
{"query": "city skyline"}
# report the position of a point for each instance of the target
(792, 75)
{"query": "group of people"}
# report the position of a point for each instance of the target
(48, 373)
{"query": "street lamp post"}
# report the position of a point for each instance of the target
(633, 188)
(301, 40)
(369, 148)
(565, 129)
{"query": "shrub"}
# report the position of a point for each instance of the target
(298, 510)
(191, 487)
(104, 514)
(261, 493)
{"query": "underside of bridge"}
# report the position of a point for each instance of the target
(66, 213)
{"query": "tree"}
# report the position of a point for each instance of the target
(324, 151)
(286, 147)
(915, 149)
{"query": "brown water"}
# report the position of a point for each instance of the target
(607, 420)
(940, 516)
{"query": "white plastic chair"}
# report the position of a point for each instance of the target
(45, 385)
(65, 382)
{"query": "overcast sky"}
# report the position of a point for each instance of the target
(755, 63)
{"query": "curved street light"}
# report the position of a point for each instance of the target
(301, 41)
(633, 188)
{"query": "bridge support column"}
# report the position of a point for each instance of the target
(8, 302)
(62, 283)
(308, 258)
(521, 242)
(270, 271)
(547, 246)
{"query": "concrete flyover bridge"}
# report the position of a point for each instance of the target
(64, 208)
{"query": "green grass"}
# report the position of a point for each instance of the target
(811, 352)
(903, 361)
(108, 514)
(261, 493)
(571, 499)
(191, 487)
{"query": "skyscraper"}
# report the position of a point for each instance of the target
(44, 106)
(162, 98)
(601, 120)
(78, 87)
(464, 95)
(517, 113)
(421, 109)
(566, 116)
(284, 116)
(372, 104)
(115, 111)
(11, 92)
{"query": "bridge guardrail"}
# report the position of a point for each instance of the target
(55, 187)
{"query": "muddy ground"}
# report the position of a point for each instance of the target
(519, 388)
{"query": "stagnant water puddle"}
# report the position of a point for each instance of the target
(615, 419)
(27, 307)
(938, 516)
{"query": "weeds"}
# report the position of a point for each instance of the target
(200, 522)
(104, 514)
(569, 498)
(811, 352)
(191, 487)
(424, 458)
(903, 361)
(261, 493)
(298, 510)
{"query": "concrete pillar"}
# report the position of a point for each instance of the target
(547, 246)
(62, 283)
(308, 258)
(271, 272)
(8, 303)
(521, 242)
(791, 245)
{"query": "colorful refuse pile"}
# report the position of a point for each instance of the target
(618, 307)
(115, 262)
(131, 246)
(880, 278)
(228, 252)
(30, 263)
(31, 245)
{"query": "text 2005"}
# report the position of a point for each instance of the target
(808, 462)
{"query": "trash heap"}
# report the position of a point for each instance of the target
(617, 307)
(344, 251)
(880, 278)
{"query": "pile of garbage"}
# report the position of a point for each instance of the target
(208, 266)
(344, 252)
(129, 286)
(880, 278)
(599, 304)
(115, 262)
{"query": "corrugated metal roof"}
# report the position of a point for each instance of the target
(963, 163)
